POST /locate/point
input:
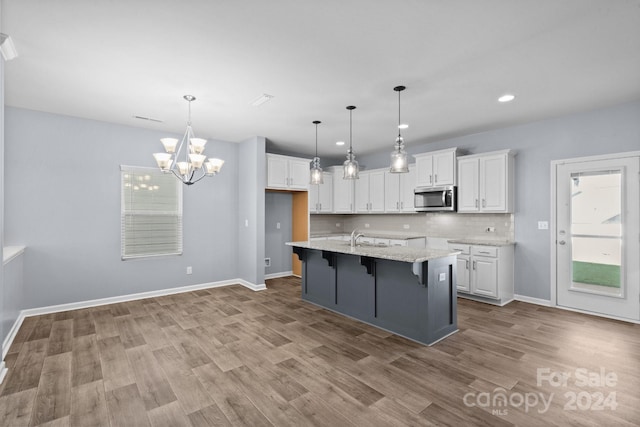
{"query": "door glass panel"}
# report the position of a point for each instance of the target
(596, 232)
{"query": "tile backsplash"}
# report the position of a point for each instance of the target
(430, 224)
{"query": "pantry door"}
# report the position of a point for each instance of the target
(597, 236)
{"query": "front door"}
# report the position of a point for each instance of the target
(597, 236)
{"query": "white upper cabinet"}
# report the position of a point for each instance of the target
(436, 168)
(485, 182)
(369, 192)
(398, 191)
(321, 196)
(287, 173)
(342, 192)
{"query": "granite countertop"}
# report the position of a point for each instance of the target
(482, 242)
(394, 253)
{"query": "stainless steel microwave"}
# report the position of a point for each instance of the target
(429, 199)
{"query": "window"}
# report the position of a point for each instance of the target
(151, 213)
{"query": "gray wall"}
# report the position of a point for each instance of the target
(62, 201)
(278, 209)
(250, 213)
(610, 130)
(3, 310)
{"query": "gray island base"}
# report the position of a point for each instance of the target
(410, 292)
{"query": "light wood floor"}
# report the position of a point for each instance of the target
(231, 356)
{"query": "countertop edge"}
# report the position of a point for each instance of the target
(480, 242)
(402, 254)
(11, 252)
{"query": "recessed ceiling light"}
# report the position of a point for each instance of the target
(340, 143)
(265, 97)
(403, 126)
(506, 98)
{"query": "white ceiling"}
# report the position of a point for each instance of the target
(109, 60)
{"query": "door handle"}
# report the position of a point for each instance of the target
(561, 242)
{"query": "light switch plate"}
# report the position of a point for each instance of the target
(543, 225)
(442, 277)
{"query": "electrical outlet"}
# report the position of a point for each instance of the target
(543, 225)
(189, 270)
(405, 226)
(278, 225)
(267, 262)
(246, 222)
(490, 230)
(366, 226)
(442, 277)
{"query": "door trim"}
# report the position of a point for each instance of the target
(553, 284)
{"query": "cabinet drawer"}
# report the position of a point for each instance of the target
(490, 251)
(458, 247)
(397, 242)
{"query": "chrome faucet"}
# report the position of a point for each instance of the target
(354, 237)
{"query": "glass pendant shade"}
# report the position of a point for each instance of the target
(399, 163)
(197, 160)
(350, 166)
(183, 168)
(316, 172)
(197, 145)
(163, 160)
(169, 144)
(213, 166)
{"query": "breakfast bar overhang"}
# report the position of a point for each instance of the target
(408, 291)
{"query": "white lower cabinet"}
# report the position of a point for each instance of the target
(485, 271)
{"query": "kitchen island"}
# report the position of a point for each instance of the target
(407, 291)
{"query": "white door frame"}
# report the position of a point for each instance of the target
(553, 226)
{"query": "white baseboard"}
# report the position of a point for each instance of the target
(277, 275)
(252, 286)
(3, 371)
(531, 300)
(12, 335)
(113, 300)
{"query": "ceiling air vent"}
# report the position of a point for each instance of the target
(149, 119)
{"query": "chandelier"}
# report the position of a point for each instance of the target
(194, 165)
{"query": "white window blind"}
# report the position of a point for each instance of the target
(151, 213)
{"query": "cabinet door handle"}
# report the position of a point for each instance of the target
(467, 264)
(474, 265)
(484, 203)
(436, 178)
(401, 205)
(397, 205)
(476, 203)
(430, 179)
(485, 252)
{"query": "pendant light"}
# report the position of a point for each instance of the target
(316, 170)
(399, 162)
(350, 165)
